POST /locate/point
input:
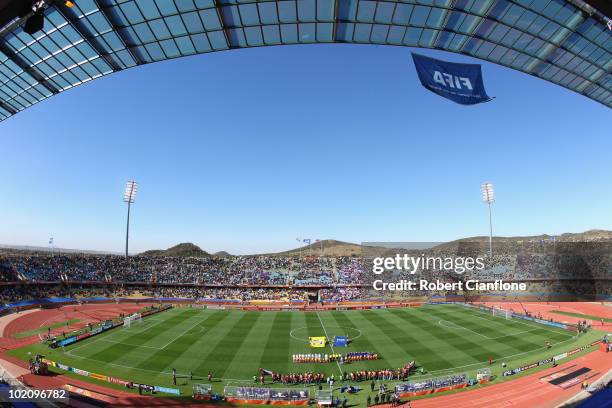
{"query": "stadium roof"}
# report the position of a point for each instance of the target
(564, 42)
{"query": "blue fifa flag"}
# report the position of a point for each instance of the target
(340, 341)
(461, 83)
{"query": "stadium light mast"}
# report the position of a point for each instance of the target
(129, 196)
(488, 196)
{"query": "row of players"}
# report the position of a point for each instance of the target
(318, 378)
(327, 358)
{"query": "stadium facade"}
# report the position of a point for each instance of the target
(566, 42)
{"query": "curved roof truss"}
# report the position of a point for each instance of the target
(551, 39)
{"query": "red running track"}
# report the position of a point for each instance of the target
(546, 309)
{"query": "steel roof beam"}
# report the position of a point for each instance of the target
(115, 26)
(335, 23)
(88, 36)
(26, 67)
(225, 28)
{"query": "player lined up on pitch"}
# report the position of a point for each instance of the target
(292, 378)
(330, 358)
(361, 356)
(317, 358)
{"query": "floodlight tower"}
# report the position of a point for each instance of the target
(131, 188)
(489, 197)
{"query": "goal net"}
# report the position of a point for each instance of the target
(502, 313)
(136, 317)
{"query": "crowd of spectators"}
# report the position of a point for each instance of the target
(229, 271)
(332, 279)
(268, 270)
(7, 274)
(345, 294)
(22, 292)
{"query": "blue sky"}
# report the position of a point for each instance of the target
(246, 150)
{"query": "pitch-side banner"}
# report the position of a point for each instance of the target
(461, 83)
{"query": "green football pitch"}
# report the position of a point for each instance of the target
(232, 345)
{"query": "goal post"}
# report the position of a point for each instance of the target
(505, 313)
(127, 321)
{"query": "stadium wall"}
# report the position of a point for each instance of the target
(50, 303)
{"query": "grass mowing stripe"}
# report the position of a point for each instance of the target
(475, 351)
(443, 349)
(409, 343)
(251, 350)
(306, 325)
(330, 343)
(114, 336)
(216, 327)
(315, 329)
(362, 342)
(514, 322)
(129, 368)
(242, 367)
(494, 322)
(119, 351)
(468, 322)
(276, 352)
(164, 358)
(523, 326)
(528, 341)
(224, 353)
(392, 353)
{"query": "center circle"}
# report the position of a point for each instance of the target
(301, 335)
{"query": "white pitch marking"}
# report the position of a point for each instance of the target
(180, 335)
(330, 344)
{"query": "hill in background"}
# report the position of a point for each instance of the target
(501, 244)
(330, 247)
(334, 248)
(184, 250)
(513, 245)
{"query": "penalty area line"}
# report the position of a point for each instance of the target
(486, 363)
(181, 335)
